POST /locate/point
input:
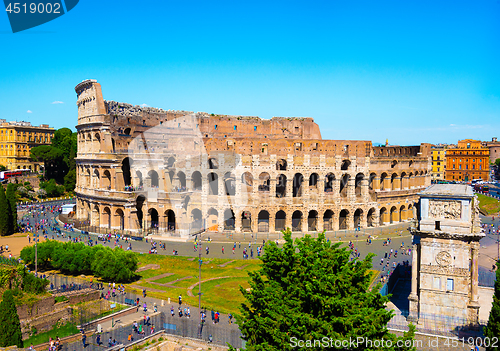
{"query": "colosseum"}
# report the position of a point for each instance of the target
(146, 170)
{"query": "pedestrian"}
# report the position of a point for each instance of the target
(223, 250)
(84, 339)
(180, 299)
(145, 307)
(98, 339)
(172, 311)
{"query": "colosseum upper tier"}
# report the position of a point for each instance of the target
(143, 170)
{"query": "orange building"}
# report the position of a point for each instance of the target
(470, 160)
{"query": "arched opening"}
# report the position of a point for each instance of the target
(404, 181)
(370, 218)
(182, 181)
(410, 214)
(383, 176)
(296, 221)
(358, 184)
(344, 182)
(246, 182)
(97, 179)
(170, 217)
(328, 220)
(213, 220)
(394, 185)
(170, 162)
(229, 184)
(97, 216)
(312, 221)
(212, 163)
(106, 178)
(329, 180)
(280, 221)
(281, 165)
(138, 174)
(313, 181)
(126, 171)
(263, 221)
(153, 175)
(343, 219)
(229, 219)
(138, 205)
(382, 216)
(246, 221)
(106, 218)
(121, 219)
(371, 180)
(196, 179)
(345, 165)
(281, 186)
(264, 181)
(357, 218)
(394, 214)
(213, 184)
(127, 131)
(196, 220)
(297, 185)
(154, 218)
(402, 213)
(113, 145)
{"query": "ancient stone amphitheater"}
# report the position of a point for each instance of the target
(143, 170)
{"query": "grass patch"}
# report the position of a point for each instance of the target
(224, 294)
(488, 204)
(56, 331)
(60, 299)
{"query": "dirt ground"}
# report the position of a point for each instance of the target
(16, 243)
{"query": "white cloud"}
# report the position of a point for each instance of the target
(144, 105)
(57, 102)
(29, 111)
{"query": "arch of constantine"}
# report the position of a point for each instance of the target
(143, 169)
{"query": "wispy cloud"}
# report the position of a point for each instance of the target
(29, 111)
(144, 105)
(57, 102)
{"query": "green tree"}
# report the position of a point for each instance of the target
(311, 290)
(5, 223)
(10, 327)
(493, 327)
(497, 162)
(3, 168)
(12, 201)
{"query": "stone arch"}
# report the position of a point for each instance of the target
(313, 180)
(246, 221)
(281, 165)
(154, 218)
(280, 221)
(404, 181)
(196, 180)
(344, 182)
(383, 216)
(138, 174)
(246, 182)
(170, 162)
(127, 131)
(343, 219)
(139, 202)
(296, 221)
(394, 179)
(120, 218)
(383, 177)
(370, 218)
(402, 213)
(196, 220)
(328, 220)
(96, 213)
(394, 215)
(281, 185)
(298, 179)
(358, 184)
(264, 181)
(170, 220)
(126, 163)
(229, 219)
(263, 221)
(213, 184)
(106, 179)
(153, 175)
(345, 165)
(358, 214)
(97, 179)
(394, 163)
(229, 184)
(371, 181)
(212, 163)
(329, 181)
(212, 219)
(106, 217)
(410, 214)
(312, 221)
(182, 179)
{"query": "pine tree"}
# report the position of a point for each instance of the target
(311, 290)
(12, 200)
(4, 213)
(493, 327)
(10, 327)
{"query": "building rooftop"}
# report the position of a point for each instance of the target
(448, 190)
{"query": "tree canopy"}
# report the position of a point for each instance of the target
(312, 290)
(10, 327)
(493, 328)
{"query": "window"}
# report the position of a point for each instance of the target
(480, 167)
(439, 163)
(472, 166)
(468, 145)
(234, 127)
(459, 166)
(453, 166)
(437, 225)
(449, 284)
(254, 127)
(215, 126)
(453, 160)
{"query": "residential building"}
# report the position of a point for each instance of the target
(16, 141)
(468, 161)
(438, 163)
(494, 147)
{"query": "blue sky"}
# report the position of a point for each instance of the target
(407, 71)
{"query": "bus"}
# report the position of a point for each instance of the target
(4, 175)
(481, 188)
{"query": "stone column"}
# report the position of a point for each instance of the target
(351, 183)
(289, 187)
(364, 190)
(413, 298)
(272, 188)
(305, 186)
(237, 221)
(473, 305)
(376, 183)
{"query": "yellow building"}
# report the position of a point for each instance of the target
(16, 141)
(438, 163)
